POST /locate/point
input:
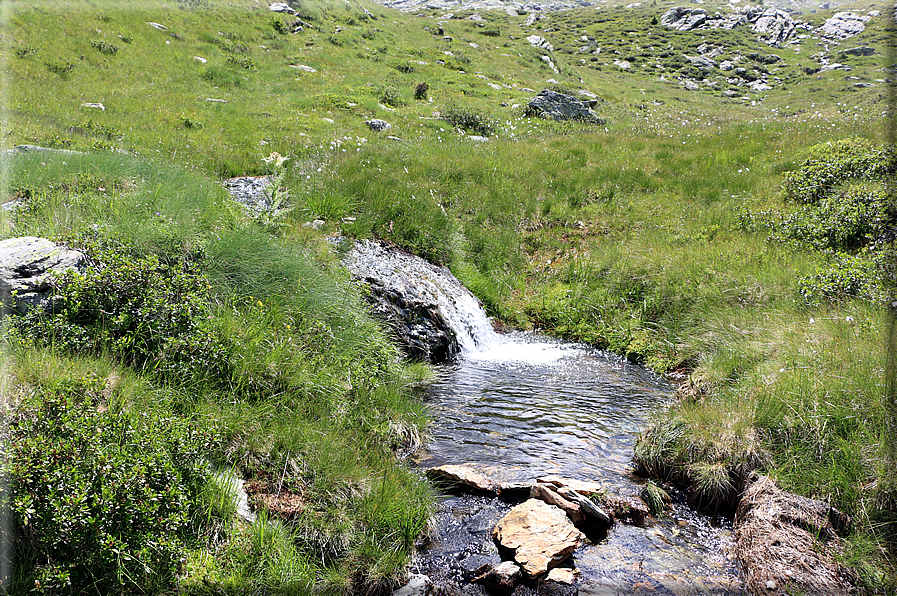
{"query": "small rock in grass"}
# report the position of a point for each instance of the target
(378, 125)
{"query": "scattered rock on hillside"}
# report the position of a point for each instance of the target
(540, 535)
(860, 51)
(557, 106)
(684, 19)
(788, 544)
(27, 265)
(250, 191)
(537, 41)
(378, 125)
(282, 7)
(844, 24)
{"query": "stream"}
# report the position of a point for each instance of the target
(526, 406)
(532, 407)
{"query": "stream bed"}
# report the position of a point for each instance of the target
(533, 407)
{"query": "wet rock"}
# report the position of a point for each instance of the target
(418, 585)
(561, 576)
(843, 25)
(27, 266)
(539, 534)
(543, 492)
(502, 578)
(394, 280)
(588, 507)
(791, 541)
(378, 125)
(583, 487)
(626, 509)
(432, 314)
(557, 106)
(465, 475)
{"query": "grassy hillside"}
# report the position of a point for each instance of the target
(682, 234)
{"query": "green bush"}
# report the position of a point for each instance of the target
(844, 276)
(845, 221)
(145, 313)
(830, 164)
(100, 501)
(104, 47)
(469, 120)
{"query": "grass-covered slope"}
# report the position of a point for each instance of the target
(688, 233)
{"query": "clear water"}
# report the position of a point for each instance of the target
(533, 407)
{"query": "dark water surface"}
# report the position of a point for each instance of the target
(534, 407)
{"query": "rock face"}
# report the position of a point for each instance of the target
(540, 535)
(26, 266)
(786, 543)
(557, 106)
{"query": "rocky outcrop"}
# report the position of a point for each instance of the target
(27, 266)
(540, 536)
(557, 106)
(787, 544)
(410, 295)
(776, 26)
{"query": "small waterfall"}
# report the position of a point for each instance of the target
(415, 288)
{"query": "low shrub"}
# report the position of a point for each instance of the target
(389, 96)
(104, 47)
(843, 276)
(469, 120)
(147, 314)
(830, 164)
(100, 501)
(420, 91)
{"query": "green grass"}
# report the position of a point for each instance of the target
(629, 236)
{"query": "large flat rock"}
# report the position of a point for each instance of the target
(540, 535)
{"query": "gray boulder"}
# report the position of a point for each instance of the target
(557, 106)
(843, 25)
(378, 125)
(684, 19)
(27, 266)
(401, 293)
